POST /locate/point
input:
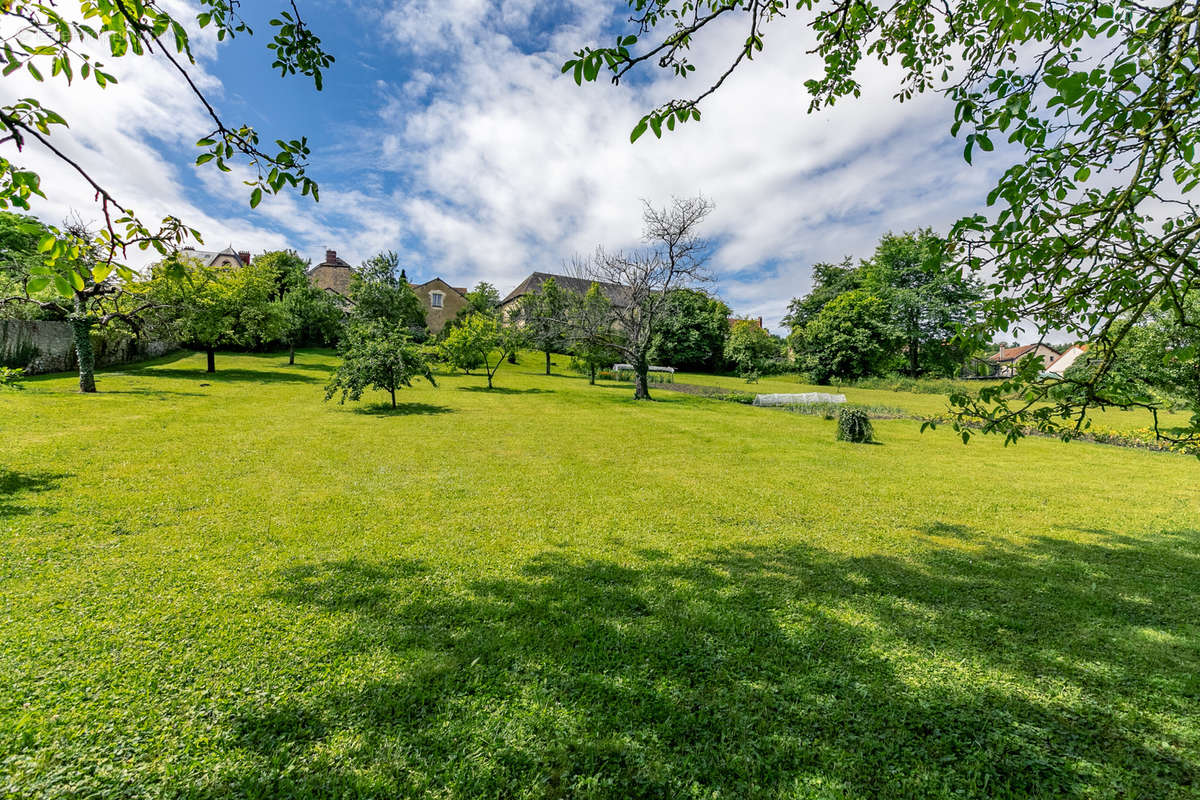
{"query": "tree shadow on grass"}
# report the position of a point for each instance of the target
(401, 409)
(233, 375)
(325, 368)
(1053, 668)
(504, 390)
(16, 485)
(145, 391)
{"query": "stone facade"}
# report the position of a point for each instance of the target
(39, 347)
(333, 275)
(442, 303)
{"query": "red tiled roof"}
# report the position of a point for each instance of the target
(1011, 353)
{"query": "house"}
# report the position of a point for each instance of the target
(616, 294)
(1067, 360)
(333, 275)
(224, 258)
(1004, 362)
(442, 302)
(758, 323)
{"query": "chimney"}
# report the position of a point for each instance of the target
(330, 256)
(244, 255)
(760, 322)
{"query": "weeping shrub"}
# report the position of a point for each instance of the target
(854, 426)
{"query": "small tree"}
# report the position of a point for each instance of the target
(482, 340)
(376, 355)
(542, 314)
(854, 426)
(380, 294)
(589, 323)
(309, 316)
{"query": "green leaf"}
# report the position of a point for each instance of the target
(256, 197)
(37, 284)
(46, 244)
(638, 130)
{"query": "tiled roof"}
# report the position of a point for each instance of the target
(1011, 353)
(617, 294)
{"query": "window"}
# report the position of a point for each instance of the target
(435, 299)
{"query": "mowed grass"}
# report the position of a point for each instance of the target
(219, 586)
(920, 404)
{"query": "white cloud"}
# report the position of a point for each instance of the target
(518, 168)
(483, 162)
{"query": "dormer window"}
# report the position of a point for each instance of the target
(435, 299)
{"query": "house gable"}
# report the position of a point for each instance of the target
(442, 302)
(333, 275)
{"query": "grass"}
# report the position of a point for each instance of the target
(919, 404)
(219, 586)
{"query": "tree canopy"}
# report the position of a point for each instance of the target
(693, 331)
(933, 306)
(851, 338)
(380, 294)
(217, 306)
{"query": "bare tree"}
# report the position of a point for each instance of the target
(674, 257)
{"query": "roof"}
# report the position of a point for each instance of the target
(207, 257)
(335, 262)
(616, 294)
(460, 289)
(1016, 353)
(1064, 362)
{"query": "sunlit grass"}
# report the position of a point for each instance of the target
(219, 586)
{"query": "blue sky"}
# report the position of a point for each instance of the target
(445, 132)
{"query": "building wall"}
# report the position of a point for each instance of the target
(452, 303)
(1008, 369)
(40, 347)
(331, 279)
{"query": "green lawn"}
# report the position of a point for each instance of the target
(219, 586)
(919, 404)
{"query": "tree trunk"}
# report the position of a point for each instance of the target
(291, 354)
(641, 385)
(592, 375)
(393, 391)
(913, 358)
(489, 379)
(81, 328)
(547, 362)
(212, 359)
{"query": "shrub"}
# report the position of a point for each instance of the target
(745, 398)
(9, 377)
(627, 376)
(854, 426)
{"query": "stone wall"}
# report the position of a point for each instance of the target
(453, 302)
(39, 347)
